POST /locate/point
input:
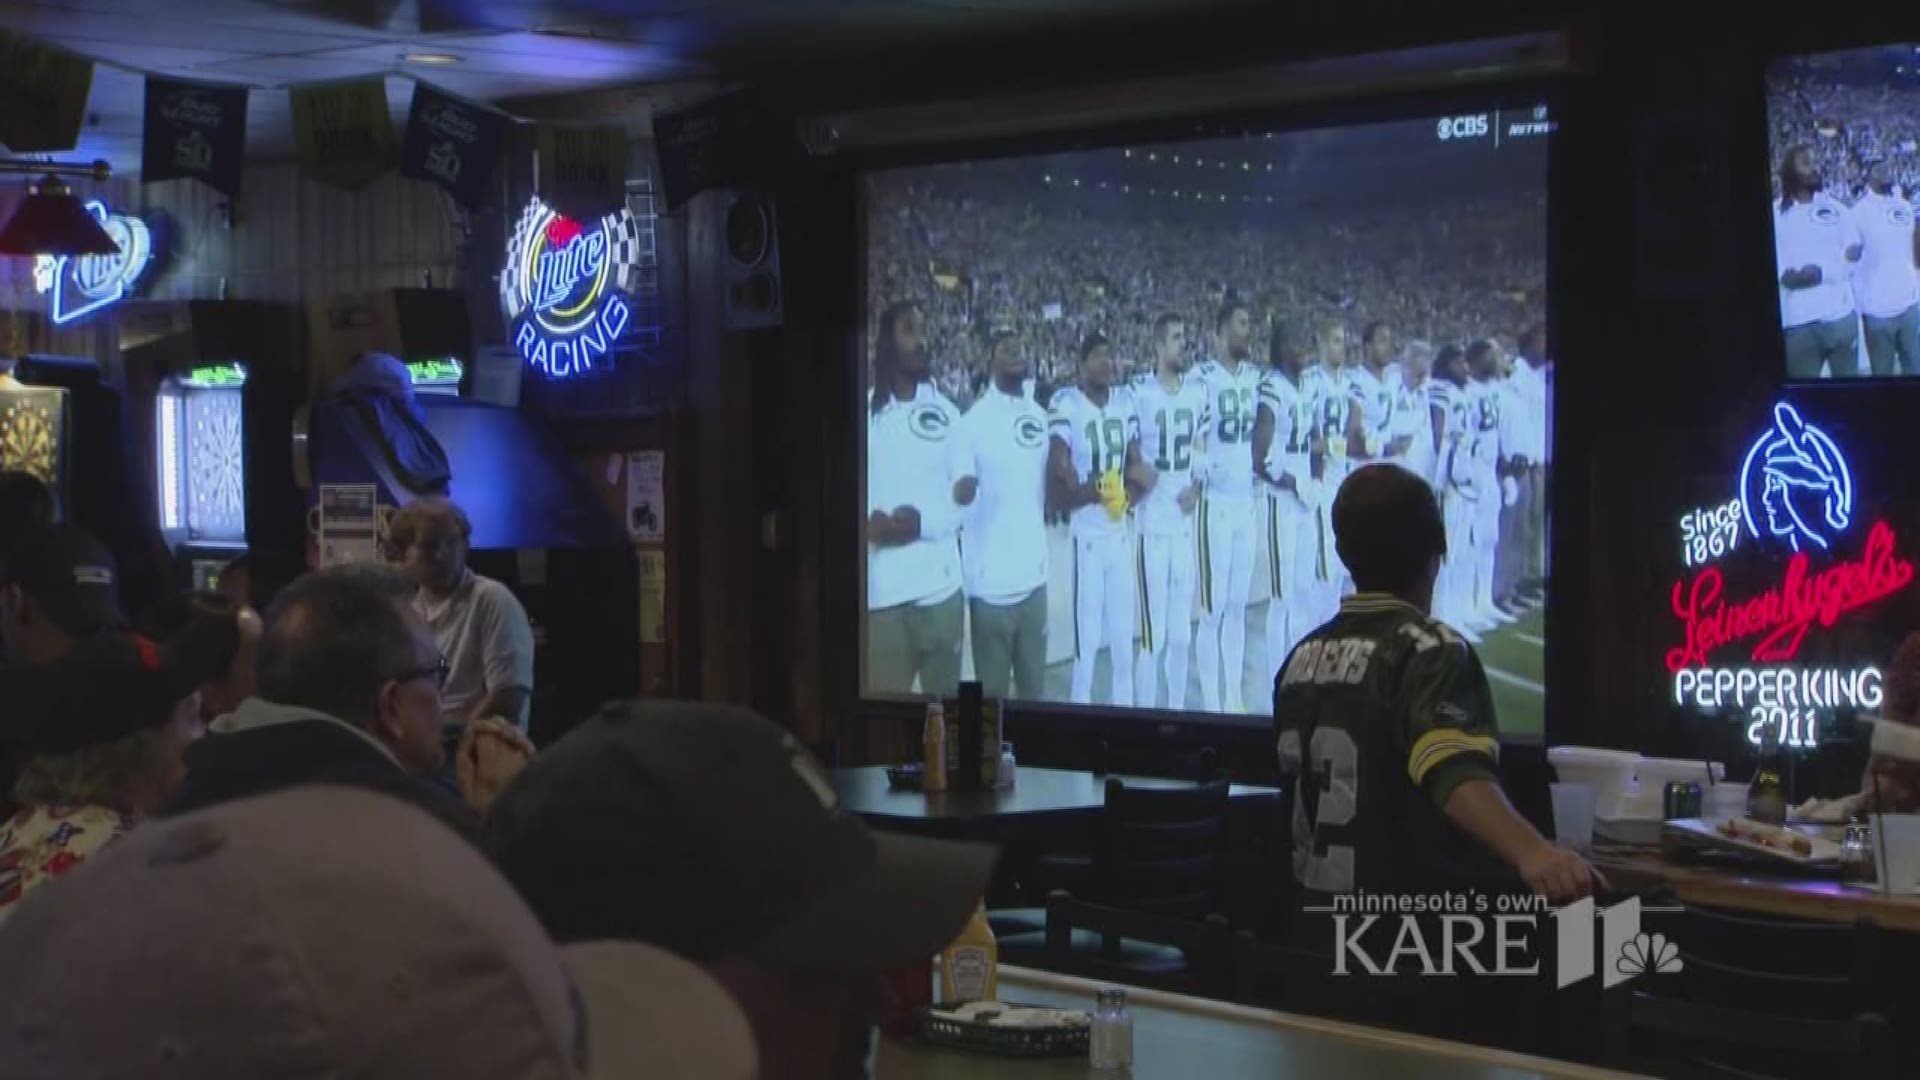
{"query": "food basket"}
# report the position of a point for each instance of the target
(984, 1036)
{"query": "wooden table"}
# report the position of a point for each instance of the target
(1181, 1037)
(1759, 892)
(1036, 792)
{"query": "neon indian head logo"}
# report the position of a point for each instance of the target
(564, 288)
(1795, 487)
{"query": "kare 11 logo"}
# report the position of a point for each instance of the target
(1505, 934)
(566, 288)
(83, 284)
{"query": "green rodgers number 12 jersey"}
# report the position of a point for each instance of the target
(1380, 714)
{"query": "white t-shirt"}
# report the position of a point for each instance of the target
(1292, 406)
(1530, 387)
(1097, 437)
(1884, 281)
(1003, 542)
(484, 635)
(1171, 423)
(913, 460)
(1232, 397)
(1814, 233)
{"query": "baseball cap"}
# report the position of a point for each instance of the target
(707, 830)
(70, 574)
(330, 931)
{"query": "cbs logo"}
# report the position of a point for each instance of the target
(1464, 127)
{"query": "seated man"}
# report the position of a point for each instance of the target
(709, 831)
(482, 630)
(58, 586)
(349, 693)
(325, 931)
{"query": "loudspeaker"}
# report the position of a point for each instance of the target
(750, 254)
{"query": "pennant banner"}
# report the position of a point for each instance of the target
(583, 170)
(453, 143)
(343, 131)
(43, 95)
(195, 130)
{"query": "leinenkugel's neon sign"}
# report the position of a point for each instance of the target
(565, 288)
(1796, 492)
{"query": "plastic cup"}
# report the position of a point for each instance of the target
(1898, 836)
(1573, 815)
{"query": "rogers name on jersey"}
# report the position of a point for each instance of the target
(1330, 660)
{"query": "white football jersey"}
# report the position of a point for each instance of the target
(1292, 405)
(1334, 403)
(1455, 470)
(1170, 422)
(1488, 401)
(1097, 437)
(1374, 395)
(1413, 421)
(1232, 397)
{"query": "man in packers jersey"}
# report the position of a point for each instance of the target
(1003, 545)
(1094, 454)
(1385, 718)
(1173, 427)
(1283, 440)
(1232, 382)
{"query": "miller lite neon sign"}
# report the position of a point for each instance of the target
(566, 288)
(83, 285)
(1795, 495)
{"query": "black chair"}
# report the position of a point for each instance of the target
(1757, 997)
(1133, 759)
(1110, 944)
(1158, 851)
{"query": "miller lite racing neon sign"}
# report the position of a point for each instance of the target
(1740, 650)
(566, 288)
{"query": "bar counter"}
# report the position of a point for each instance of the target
(1177, 1036)
(1823, 899)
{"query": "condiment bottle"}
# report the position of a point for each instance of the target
(933, 743)
(970, 967)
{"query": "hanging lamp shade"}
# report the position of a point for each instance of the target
(52, 221)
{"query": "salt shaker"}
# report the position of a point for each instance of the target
(1110, 1043)
(1007, 765)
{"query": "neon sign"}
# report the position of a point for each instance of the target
(444, 372)
(1799, 480)
(1796, 494)
(212, 375)
(1781, 616)
(83, 285)
(565, 288)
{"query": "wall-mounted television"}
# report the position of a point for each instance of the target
(1844, 135)
(1206, 335)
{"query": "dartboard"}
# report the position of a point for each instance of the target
(216, 470)
(30, 440)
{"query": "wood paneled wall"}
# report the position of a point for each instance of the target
(286, 239)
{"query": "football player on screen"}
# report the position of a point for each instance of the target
(914, 611)
(1174, 419)
(1341, 423)
(1885, 281)
(1094, 454)
(1283, 441)
(1453, 475)
(1232, 383)
(1815, 246)
(1487, 449)
(1003, 545)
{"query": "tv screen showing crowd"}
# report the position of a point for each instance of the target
(1111, 395)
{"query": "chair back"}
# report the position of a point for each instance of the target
(1196, 764)
(1755, 996)
(1163, 850)
(1205, 945)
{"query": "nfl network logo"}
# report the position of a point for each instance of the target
(1456, 934)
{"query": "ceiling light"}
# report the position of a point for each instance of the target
(428, 58)
(51, 221)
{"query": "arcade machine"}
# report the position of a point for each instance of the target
(538, 526)
(211, 388)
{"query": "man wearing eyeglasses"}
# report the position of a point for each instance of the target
(350, 684)
(482, 629)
